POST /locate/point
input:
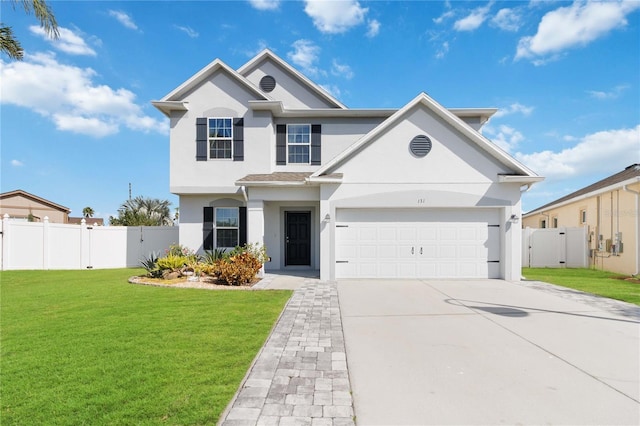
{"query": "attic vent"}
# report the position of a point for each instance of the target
(267, 83)
(420, 145)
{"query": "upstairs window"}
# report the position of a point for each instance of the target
(220, 138)
(298, 143)
(583, 216)
(555, 222)
(543, 223)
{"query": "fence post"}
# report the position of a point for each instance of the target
(5, 241)
(85, 245)
(45, 243)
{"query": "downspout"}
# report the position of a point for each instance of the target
(243, 189)
(637, 227)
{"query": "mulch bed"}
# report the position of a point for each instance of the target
(206, 283)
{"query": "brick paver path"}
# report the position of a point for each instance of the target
(300, 376)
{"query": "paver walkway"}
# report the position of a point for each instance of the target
(300, 376)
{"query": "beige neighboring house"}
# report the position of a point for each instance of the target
(609, 209)
(21, 205)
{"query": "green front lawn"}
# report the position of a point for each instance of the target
(593, 281)
(87, 347)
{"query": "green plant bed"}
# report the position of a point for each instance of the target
(602, 283)
(87, 347)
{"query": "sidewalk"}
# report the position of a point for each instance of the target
(300, 375)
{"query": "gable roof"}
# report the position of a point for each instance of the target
(268, 54)
(629, 175)
(25, 194)
(172, 101)
(521, 172)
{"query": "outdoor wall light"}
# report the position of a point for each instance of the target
(514, 219)
(327, 217)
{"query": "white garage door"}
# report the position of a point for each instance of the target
(424, 243)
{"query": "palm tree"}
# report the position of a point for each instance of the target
(10, 45)
(142, 211)
(87, 212)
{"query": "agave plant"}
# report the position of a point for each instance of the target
(150, 264)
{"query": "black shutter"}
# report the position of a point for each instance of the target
(315, 144)
(207, 229)
(238, 139)
(201, 139)
(242, 229)
(281, 144)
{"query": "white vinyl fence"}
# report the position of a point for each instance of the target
(44, 245)
(555, 248)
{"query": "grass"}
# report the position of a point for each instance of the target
(603, 283)
(86, 347)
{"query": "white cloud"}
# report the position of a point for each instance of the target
(575, 25)
(474, 19)
(124, 19)
(595, 153)
(374, 28)
(611, 94)
(68, 42)
(69, 97)
(507, 20)
(265, 4)
(17, 163)
(513, 109)
(188, 31)
(335, 17)
(446, 15)
(332, 89)
(443, 50)
(305, 55)
(505, 137)
(341, 70)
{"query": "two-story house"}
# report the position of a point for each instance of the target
(262, 154)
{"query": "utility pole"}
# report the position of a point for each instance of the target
(129, 190)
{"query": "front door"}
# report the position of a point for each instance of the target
(297, 227)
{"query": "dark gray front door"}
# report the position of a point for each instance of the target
(297, 227)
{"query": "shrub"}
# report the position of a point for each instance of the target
(180, 250)
(172, 262)
(239, 268)
(150, 264)
(211, 256)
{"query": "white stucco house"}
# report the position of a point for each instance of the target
(262, 154)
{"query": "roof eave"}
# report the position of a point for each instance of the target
(167, 106)
(278, 109)
(269, 183)
(519, 179)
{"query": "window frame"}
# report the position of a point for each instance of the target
(228, 139)
(543, 224)
(217, 227)
(554, 222)
(307, 144)
(583, 216)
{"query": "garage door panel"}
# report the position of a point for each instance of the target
(416, 243)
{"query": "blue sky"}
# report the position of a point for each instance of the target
(77, 125)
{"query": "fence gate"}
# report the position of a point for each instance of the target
(555, 248)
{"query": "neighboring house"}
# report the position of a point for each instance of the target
(264, 155)
(609, 208)
(21, 205)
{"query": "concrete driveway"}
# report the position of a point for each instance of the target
(488, 352)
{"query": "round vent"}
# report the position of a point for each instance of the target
(267, 83)
(420, 145)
